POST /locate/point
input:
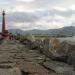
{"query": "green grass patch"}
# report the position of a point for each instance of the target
(41, 35)
(52, 35)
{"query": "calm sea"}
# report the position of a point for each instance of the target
(63, 39)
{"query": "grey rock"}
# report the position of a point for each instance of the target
(10, 71)
(59, 67)
(71, 58)
(28, 39)
(57, 50)
(37, 44)
(51, 48)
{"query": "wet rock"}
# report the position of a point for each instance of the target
(59, 68)
(71, 58)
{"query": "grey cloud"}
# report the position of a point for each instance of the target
(46, 3)
(51, 3)
(21, 17)
(35, 16)
(66, 13)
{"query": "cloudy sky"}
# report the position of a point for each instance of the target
(38, 14)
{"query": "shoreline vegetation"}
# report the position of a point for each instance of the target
(51, 35)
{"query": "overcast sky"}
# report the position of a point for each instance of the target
(38, 14)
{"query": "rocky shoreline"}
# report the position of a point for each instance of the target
(48, 57)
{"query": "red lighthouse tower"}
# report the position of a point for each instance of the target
(3, 22)
(5, 34)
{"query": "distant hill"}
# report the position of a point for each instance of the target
(16, 31)
(64, 30)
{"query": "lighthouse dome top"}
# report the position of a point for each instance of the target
(3, 12)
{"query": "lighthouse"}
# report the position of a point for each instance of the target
(4, 34)
(3, 22)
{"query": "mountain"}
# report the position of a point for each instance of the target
(70, 29)
(16, 31)
(64, 30)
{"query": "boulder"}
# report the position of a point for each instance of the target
(28, 39)
(37, 44)
(52, 43)
(69, 46)
(50, 48)
(59, 67)
(71, 58)
(57, 50)
(8, 70)
(68, 49)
